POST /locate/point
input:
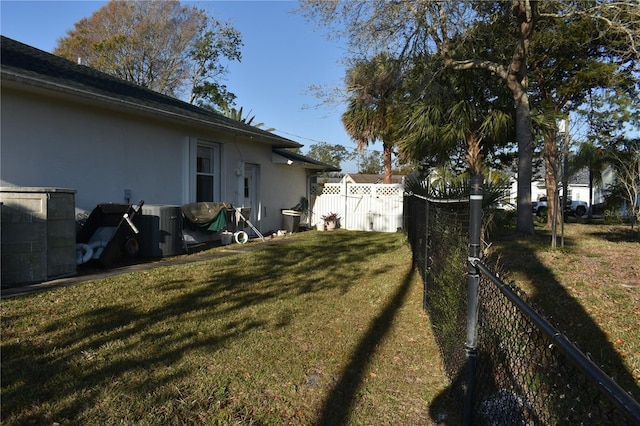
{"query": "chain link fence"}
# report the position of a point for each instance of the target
(437, 234)
(523, 370)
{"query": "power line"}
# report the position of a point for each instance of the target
(319, 141)
(300, 137)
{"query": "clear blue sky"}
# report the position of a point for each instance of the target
(282, 57)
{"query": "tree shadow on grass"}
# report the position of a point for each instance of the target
(550, 299)
(615, 233)
(125, 342)
(340, 401)
(566, 313)
(562, 310)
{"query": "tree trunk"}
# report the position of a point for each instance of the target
(524, 220)
(386, 160)
(590, 210)
(550, 155)
(474, 155)
(526, 13)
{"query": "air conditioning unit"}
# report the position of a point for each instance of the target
(160, 229)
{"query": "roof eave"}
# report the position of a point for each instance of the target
(7, 76)
(282, 156)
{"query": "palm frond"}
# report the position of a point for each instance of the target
(443, 185)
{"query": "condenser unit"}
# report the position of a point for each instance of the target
(160, 229)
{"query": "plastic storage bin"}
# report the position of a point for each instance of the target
(290, 220)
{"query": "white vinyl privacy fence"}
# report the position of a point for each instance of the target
(362, 207)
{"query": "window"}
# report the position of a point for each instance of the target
(208, 173)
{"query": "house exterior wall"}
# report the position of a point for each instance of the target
(579, 193)
(280, 186)
(538, 190)
(106, 155)
(283, 188)
(56, 143)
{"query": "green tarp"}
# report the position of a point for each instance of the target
(205, 216)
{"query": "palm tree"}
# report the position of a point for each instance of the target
(374, 87)
(237, 114)
(454, 113)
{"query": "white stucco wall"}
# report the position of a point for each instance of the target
(281, 186)
(538, 190)
(99, 153)
(51, 141)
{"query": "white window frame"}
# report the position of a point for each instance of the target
(190, 170)
(215, 171)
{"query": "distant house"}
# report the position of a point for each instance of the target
(578, 186)
(370, 178)
(66, 125)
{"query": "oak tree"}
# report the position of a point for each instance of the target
(410, 29)
(330, 153)
(173, 49)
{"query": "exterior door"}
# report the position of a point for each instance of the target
(252, 192)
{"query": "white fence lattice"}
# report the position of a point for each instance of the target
(362, 207)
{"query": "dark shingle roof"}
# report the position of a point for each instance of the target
(581, 177)
(308, 162)
(29, 65)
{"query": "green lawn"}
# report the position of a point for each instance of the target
(328, 329)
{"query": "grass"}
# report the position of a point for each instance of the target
(327, 329)
(590, 289)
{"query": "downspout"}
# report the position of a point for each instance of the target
(239, 172)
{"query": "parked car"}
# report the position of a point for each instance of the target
(540, 207)
(500, 205)
(575, 207)
(578, 208)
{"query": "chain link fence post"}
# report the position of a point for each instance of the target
(473, 281)
(426, 254)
